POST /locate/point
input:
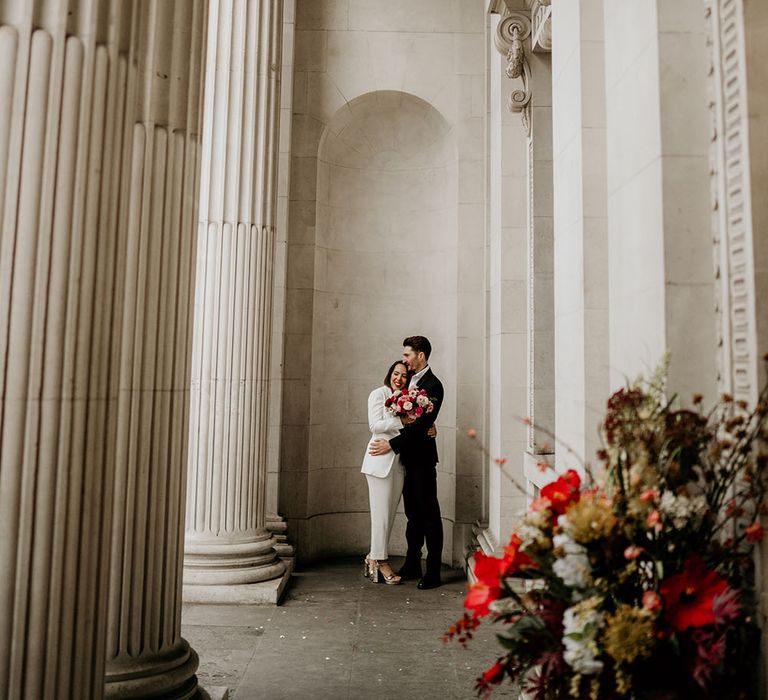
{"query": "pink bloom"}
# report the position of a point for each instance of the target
(632, 552)
(500, 460)
(654, 519)
(726, 607)
(419, 410)
(471, 433)
(649, 495)
(652, 601)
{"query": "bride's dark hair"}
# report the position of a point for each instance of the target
(388, 378)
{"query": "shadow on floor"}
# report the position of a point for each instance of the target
(337, 636)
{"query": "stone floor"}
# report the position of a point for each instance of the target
(338, 636)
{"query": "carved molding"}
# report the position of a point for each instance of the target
(542, 27)
(513, 29)
(731, 215)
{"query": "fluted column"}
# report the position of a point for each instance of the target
(146, 655)
(228, 546)
(62, 92)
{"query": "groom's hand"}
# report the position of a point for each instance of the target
(379, 447)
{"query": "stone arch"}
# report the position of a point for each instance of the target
(385, 266)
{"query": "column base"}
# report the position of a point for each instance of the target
(169, 674)
(261, 593)
(222, 562)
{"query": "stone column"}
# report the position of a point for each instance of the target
(229, 552)
(59, 85)
(146, 655)
(661, 282)
(580, 234)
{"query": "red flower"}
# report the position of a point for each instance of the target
(689, 595)
(495, 674)
(514, 559)
(562, 492)
(488, 574)
(487, 587)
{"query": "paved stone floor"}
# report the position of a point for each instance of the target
(338, 636)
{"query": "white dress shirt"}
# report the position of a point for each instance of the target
(416, 378)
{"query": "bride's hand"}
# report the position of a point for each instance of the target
(432, 432)
(407, 420)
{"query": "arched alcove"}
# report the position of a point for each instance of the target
(385, 267)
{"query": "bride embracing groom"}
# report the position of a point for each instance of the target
(401, 458)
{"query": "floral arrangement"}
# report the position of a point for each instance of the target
(413, 402)
(637, 582)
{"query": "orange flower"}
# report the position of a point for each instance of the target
(500, 460)
(472, 433)
(754, 532)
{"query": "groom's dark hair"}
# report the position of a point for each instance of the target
(419, 344)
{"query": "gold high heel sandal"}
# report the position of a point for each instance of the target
(391, 580)
(367, 567)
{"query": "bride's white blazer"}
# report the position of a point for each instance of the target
(383, 425)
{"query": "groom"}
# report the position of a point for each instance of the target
(418, 453)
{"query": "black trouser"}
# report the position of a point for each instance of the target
(423, 512)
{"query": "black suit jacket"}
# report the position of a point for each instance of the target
(413, 444)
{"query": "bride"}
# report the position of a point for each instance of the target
(384, 474)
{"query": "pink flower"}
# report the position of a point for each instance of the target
(649, 495)
(652, 601)
(471, 433)
(500, 460)
(408, 406)
(631, 553)
(419, 411)
(654, 519)
(726, 607)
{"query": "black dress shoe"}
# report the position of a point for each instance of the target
(407, 574)
(429, 582)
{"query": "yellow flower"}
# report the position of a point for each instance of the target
(629, 634)
(591, 518)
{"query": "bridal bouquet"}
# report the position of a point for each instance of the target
(639, 582)
(412, 402)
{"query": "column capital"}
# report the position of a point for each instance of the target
(513, 29)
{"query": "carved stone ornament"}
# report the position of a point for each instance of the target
(512, 31)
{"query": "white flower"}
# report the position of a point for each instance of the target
(422, 400)
(580, 626)
(573, 566)
(682, 510)
(407, 406)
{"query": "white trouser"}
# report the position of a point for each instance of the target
(384, 495)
